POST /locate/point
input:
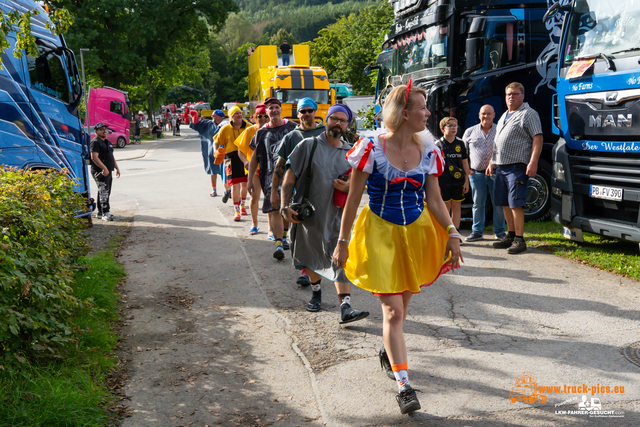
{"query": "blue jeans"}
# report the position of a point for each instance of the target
(285, 59)
(480, 186)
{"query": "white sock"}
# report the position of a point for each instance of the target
(346, 300)
(402, 377)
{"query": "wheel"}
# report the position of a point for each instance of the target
(539, 194)
(121, 143)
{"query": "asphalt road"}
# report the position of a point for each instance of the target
(216, 331)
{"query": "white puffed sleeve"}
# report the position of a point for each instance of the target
(360, 156)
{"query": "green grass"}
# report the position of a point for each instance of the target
(609, 254)
(73, 391)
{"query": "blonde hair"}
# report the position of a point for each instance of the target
(515, 85)
(395, 104)
(446, 121)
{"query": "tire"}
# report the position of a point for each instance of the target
(121, 143)
(539, 194)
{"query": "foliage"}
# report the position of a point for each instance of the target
(39, 242)
(367, 115)
(606, 253)
(346, 47)
(72, 391)
(282, 35)
(236, 32)
(59, 21)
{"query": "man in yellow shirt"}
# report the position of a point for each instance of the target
(245, 152)
(236, 175)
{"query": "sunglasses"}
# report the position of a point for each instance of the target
(306, 111)
(262, 116)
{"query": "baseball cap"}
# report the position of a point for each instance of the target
(100, 126)
(271, 100)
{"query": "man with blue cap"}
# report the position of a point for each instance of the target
(207, 129)
(308, 127)
(322, 159)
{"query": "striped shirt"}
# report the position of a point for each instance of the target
(479, 146)
(513, 142)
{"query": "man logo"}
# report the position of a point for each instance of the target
(609, 121)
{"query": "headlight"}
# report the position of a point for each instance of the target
(558, 171)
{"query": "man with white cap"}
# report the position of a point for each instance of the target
(236, 175)
(265, 145)
(318, 171)
(308, 127)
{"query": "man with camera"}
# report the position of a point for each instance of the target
(318, 171)
(308, 127)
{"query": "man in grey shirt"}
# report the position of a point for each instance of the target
(479, 143)
(516, 150)
(315, 238)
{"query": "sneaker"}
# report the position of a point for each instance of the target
(279, 253)
(314, 303)
(98, 215)
(271, 237)
(107, 217)
(408, 401)
(503, 243)
(214, 192)
(385, 363)
(303, 280)
(474, 237)
(237, 217)
(254, 230)
(348, 314)
(501, 236)
(285, 244)
(226, 196)
(519, 246)
(243, 211)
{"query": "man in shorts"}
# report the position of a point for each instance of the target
(265, 145)
(454, 181)
(516, 150)
(236, 176)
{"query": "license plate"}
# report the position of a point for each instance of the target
(609, 193)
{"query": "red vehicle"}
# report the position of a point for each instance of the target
(109, 106)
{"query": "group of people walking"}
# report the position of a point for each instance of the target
(312, 181)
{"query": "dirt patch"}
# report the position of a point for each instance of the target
(100, 233)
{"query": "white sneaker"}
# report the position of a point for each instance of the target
(107, 217)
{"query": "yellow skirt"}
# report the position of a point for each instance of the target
(386, 258)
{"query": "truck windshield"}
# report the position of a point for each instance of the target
(427, 48)
(602, 26)
(292, 96)
(385, 62)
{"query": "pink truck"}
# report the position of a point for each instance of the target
(109, 106)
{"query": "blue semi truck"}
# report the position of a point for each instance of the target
(596, 163)
(40, 126)
(464, 53)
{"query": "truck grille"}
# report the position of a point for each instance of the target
(611, 170)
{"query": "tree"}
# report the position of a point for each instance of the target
(281, 36)
(236, 32)
(59, 22)
(346, 47)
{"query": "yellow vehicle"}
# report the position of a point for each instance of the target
(243, 107)
(267, 77)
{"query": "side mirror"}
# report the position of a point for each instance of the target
(369, 68)
(554, 9)
(474, 55)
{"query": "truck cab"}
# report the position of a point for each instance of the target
(110, 106)
(464, 53)
(40, 125)
(596, 163)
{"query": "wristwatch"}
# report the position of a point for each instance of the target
(283, 210)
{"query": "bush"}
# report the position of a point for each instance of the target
(40, 241)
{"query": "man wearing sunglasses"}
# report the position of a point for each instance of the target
(245, 153)
(308, 127)
(315, 238)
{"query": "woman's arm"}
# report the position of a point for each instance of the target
(441, 214)
(356, 188)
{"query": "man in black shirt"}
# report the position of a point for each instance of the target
(102, 165)
(285, 48)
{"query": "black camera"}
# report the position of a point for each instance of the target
(304, 210)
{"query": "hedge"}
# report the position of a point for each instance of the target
(40, 242)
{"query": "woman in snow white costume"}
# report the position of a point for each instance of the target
(400, 243)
